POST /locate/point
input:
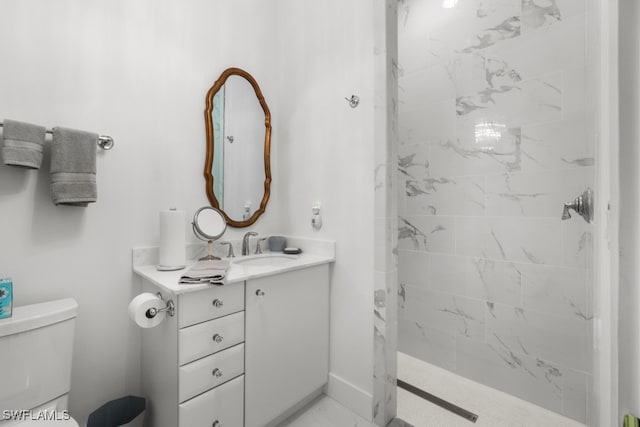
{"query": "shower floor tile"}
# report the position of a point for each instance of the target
(494, 408)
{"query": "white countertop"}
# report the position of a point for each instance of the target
(168, 280)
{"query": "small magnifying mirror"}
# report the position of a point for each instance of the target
(209, 225)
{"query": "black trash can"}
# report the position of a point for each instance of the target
(117, 412)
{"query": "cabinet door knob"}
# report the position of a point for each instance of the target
(216, 373)
(216, 423)
(217, 303)
(217, 338)
(260, 293)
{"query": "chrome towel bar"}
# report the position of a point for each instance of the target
(105, 142)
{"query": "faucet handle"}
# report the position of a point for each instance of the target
(565, 210)
(258, 248)
(582, 205)
(230, 254)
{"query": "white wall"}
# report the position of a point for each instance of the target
(629, 326)
(325, 152)
(139, 71)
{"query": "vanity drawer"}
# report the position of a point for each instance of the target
(209, 372)
(224, 404)
(196, 307)
(210, 337)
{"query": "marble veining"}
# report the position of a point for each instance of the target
(502, 252)
(385, 309)
(577, 310)
(402, 293)
(447, 196)
(557, 145)
(505, 149)
(519, 197)
(531, 257)
(507, 29)
(509, 357)
(495, 138)
(585, 161)
(461, 315)
(411, 232)
(551, 372)
(490, 307)
(539, 13)
(407, 162)
(497, 69)
(466, 104)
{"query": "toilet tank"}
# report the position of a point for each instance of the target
(36, 346)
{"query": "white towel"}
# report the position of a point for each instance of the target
(207, 271)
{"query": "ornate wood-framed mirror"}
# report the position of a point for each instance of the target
(237, 167)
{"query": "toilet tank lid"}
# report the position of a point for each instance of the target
(33, 316)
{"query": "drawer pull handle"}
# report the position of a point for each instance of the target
(216, 423)
(216, 373)
(217, 303)
(217, 338)
(260, 293)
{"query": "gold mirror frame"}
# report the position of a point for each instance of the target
(208, 165)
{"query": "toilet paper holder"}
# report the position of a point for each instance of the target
(169, 308)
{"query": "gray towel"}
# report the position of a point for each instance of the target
(73, 167)
(208, 271)
(23, 144)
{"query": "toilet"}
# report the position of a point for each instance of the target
(36, 347)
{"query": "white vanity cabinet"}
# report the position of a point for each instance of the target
(193, 362)
(248, 353)
(287, 342)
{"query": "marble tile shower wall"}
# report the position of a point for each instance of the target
(492, 284)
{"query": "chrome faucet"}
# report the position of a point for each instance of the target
(245, 241)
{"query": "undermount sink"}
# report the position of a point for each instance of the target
(263, 260)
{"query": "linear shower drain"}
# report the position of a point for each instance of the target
(461, 412)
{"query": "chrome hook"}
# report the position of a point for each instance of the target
(353, 101)
(105, 142)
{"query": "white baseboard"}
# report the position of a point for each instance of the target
(350, 396)
(294, 410)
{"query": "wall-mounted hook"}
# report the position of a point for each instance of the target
(230, 138)
(353, 101)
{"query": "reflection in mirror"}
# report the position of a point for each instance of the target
(237, 169)
(209, 224)
(238, 148)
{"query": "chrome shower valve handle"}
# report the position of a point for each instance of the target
(582, 205)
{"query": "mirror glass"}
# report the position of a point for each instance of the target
(208, 223)
(237, 168)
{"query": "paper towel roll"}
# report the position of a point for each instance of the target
(172, 254)
(139, 306)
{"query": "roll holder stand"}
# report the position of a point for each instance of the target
(169, 308)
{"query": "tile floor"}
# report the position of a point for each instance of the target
(325, 412)
(495, 409)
